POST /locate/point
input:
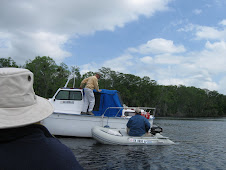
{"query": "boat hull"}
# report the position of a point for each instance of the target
(120, 137)
(80, 125)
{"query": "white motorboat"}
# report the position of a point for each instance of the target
(112, 136)
(67, 120)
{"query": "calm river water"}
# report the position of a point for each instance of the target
(201, 144)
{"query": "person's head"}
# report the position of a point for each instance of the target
(98, 75)
(137, 111)
(19, 106)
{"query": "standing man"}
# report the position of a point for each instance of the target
(91, 83)
(137, 125)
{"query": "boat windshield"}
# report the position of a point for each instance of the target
(69, 95)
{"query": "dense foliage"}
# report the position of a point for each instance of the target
(178, 101)
(7, 62)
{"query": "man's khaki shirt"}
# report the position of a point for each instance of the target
(91, 83)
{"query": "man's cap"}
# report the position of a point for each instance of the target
(137, 110)
(99, 74)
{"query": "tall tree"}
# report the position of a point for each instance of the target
(59, 78)
(45, 72)
(8, 62)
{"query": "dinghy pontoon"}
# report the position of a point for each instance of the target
(112, 136)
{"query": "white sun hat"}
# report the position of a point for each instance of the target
(19, 106)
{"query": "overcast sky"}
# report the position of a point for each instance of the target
(175, 42)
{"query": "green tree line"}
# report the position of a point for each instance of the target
(180, 101)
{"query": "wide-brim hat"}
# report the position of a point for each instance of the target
(19, 106)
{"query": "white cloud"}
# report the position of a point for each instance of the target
(123, 63)
(213, 57)
(219, 46)
(89, 67)
(147, 60)
(179, 75)
(197, 11)
(168, 59)
(25, 19)
(223, 22)
(197, 68)
(32, 45)
(187, 28)
(204, 32)
(50, 44)
(158, 46)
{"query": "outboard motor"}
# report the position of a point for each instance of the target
(156, 129)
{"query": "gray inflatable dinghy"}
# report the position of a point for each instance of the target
(112, 136)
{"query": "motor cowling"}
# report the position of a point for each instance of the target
(156, 129)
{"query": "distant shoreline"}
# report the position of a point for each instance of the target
(191, 118)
